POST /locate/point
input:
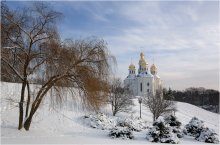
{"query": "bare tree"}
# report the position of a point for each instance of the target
(31, 37)
(23, 32)
(157, 104)
(120, 97)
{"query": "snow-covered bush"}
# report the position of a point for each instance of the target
(194, 127)
(207, 135)
(178, 131)
(197, 129)
(162, 132)
(101, 121)
(134, 124)
(175, 125)
(172, 121)
(121, 132)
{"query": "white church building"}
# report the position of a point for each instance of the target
(145, 81)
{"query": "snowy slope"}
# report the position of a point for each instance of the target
(66, 125)
(187, 111)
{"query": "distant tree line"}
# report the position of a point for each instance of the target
(205, 98)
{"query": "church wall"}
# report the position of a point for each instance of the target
(157, 83)
(131, 84)
(135, 87)
(145, 87)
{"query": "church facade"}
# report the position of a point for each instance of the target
(146, 81)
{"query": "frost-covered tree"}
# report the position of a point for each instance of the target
(197, 129)
(208, 135)
(133, 123)
(100, 121)
(157, 104)
(194, 127)
(162, 132)
(175, 125)
(172, 121)
(120, 97)
(121, 132)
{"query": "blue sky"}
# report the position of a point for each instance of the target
(181, 37)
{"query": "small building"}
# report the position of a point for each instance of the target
(146, 81)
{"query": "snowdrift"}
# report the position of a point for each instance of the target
(66, 125)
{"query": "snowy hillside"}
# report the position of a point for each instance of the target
(67, 125)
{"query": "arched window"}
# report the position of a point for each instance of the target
(148, 84)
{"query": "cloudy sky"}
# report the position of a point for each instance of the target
(182, 38)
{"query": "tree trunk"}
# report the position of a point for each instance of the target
(140, 110)
(36, 104)
(28, 122)
(34, 108)
(28, 100)
(112, 106)
(114, 112)
(21, 111)
(154, 118)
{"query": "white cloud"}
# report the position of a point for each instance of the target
(185, 55)
(182, 37)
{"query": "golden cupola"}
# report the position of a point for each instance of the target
(142, 61)
(142, 64)
(153, 69)
(131, 69)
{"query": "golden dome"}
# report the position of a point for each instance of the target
(153, 69)
(142, 61)
(142, 55)
(131, 67)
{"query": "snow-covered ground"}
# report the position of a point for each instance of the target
(66, 125)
